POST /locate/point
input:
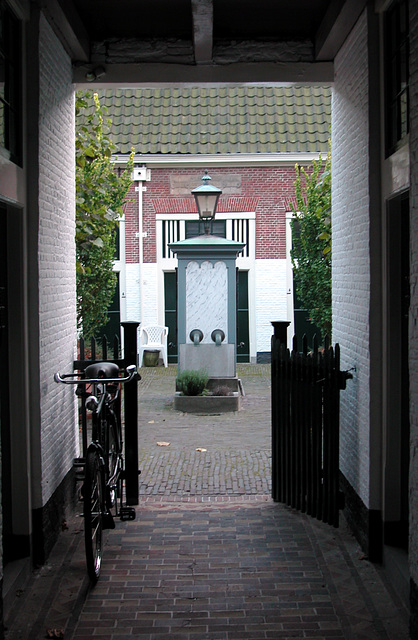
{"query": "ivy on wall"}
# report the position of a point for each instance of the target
(311, 241)
(100, 197)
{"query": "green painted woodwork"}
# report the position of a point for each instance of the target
(243, 330)
(170, 306)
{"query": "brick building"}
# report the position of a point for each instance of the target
(368, 53)
(249, 138)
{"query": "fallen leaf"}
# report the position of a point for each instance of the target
(163, 444)
(201, 449)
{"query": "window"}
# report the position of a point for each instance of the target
(170, 233)
(10, 84)
(179, 227)
(396, 33)
(196, 228)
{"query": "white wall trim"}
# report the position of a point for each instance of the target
(220, 160)
(119, 266)
(289, 279)
(233, 215)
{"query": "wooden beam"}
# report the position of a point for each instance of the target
(68, 27)
(155, 74)
(202, 30)
(338, 21)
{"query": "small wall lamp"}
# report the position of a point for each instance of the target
(95, 74)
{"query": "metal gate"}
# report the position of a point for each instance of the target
(305, 428)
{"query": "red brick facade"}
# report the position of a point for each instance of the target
(264, 190)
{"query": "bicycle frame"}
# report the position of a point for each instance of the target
(104, 421)
(103, 463)
(99, 402)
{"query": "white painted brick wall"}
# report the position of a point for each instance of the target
(350, 238)
(413, 324)
(271, 299)
(57, 306)
(150, 293)
(133, 297)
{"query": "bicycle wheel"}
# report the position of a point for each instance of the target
(93, 513)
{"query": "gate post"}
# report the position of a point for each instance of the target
(131, 415)
(278, 338)
(280, 330)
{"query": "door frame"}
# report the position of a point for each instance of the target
(20, 532)
(396, 373)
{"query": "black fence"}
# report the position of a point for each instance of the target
(103, 350)
(305, 428)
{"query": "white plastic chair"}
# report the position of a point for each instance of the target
(153, 338)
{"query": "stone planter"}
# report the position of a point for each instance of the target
(207, 404)
(151, 358)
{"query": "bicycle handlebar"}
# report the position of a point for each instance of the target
(68, 378)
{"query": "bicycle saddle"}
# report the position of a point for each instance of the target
(102, 370)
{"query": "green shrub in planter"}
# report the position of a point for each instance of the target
(192, 383)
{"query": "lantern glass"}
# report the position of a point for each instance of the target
(206, 204)
(206, 197)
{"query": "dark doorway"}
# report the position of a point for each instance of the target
(15, 495)
(243, 332)
(398, 427)
(112, 327)
(6, 494)
(170, 305)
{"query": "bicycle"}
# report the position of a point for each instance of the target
(102, 488)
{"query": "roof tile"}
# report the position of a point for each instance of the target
(228, 119)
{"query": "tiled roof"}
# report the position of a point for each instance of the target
(220, 120)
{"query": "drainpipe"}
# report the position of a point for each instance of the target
(140, 237)
(141, 175)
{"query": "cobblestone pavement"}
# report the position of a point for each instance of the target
(237, 456)
(210, 556)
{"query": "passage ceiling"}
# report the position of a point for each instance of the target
(213, 33)
(284, 19)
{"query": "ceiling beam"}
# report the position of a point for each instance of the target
(157, 74)
(202, 11)
(337, 23)
(68, 27)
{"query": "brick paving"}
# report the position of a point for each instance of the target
(210, 555)
(204, 473)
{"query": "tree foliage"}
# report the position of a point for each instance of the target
(100, 196)
(311, 240)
